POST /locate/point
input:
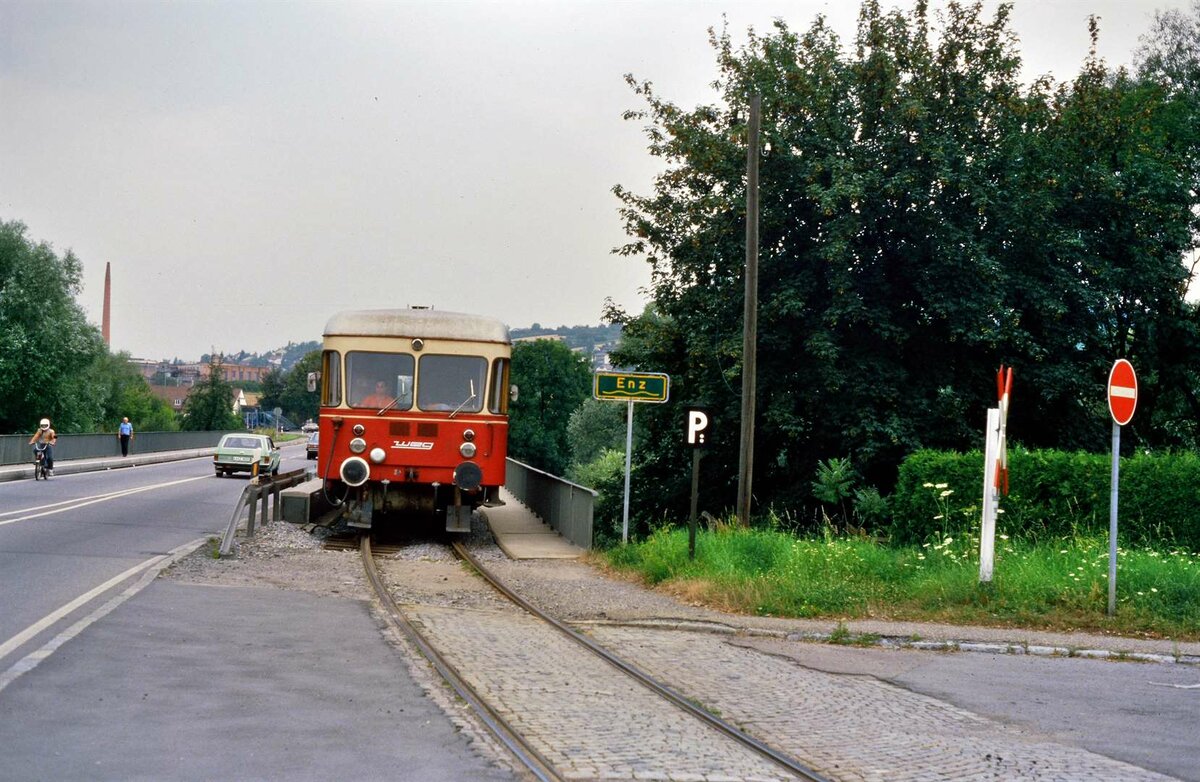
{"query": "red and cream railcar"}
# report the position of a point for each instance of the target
(414, 413)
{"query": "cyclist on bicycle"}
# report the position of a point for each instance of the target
(48, 437)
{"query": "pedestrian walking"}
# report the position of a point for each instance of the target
(125, 434)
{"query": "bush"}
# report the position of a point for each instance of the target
(1052, 494)
(606, 475)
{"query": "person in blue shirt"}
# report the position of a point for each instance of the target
(125, 434)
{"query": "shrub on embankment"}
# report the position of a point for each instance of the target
(1052, 494)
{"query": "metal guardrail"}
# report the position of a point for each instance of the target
(260, 489)
(14, 448)
(565, 506)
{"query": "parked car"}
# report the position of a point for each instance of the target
(246, 452)
(310, 447)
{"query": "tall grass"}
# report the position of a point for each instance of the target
(1058, 584)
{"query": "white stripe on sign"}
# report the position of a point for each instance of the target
(1123, 391)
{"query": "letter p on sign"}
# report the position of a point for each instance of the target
(698, 423)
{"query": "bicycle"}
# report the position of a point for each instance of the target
(39, 462)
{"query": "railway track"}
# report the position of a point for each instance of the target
(510, 736)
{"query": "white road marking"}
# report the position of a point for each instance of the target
(154, 566)
(60, 507)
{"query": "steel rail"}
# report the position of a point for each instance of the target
(789, 763)
(529, 757)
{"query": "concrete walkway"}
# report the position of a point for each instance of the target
(522, 535)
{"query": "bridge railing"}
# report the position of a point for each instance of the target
(15, 448)
(565, 506)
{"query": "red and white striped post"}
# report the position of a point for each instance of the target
(995, 472)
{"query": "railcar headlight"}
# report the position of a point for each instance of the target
(355, 471)
(358, 445)
(467, 450)
(468, 435)
(359, 429)
(377, 455)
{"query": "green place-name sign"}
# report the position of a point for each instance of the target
(632, 386)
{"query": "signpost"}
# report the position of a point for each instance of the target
(1122, 401)
(630, 387)
(699, 424)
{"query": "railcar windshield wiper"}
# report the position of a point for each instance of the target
(470, 398)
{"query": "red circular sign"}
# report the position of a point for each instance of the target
(1122, 391)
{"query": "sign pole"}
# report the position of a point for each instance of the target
(630, 387)
(1122, 402)
(1112, 521)
(628, 454)
(695, 502)
(699, 424)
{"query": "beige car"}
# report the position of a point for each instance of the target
(246, 452)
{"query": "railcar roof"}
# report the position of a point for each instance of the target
(426, 324)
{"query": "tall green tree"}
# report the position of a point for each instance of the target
(553, 381)
(127, 394)
(288, 389)
(924, 218)
(209, 407)
(46, 343)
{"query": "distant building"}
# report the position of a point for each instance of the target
(550, 337)
(175, 396)
(164, 373)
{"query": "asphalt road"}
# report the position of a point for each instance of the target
(185, 681)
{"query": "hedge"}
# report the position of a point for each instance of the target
(1053, 494)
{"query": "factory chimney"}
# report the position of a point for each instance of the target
(105, 322)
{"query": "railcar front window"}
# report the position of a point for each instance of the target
(452, 383)
(379, 380)
(331, 374)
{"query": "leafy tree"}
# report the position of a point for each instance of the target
(46, 343)
(298, 403)
(594, 427)
(126, 393)
(553, 382)
(210, 405)
(288, 389)
(924, 218)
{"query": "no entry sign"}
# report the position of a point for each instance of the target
(1122, 391)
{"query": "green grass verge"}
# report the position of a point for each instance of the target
(1058, 585)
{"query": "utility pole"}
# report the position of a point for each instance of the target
(750, 318)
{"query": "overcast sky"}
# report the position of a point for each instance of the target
(250, 168)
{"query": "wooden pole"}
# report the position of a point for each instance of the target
(750, 318)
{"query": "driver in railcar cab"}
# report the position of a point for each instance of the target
(380, 397)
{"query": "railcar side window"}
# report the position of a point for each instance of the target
(498, 402)
(379, 380)
(331, 378)
(452, 383)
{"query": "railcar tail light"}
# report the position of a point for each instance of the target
(359, 429)
(468, 435)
